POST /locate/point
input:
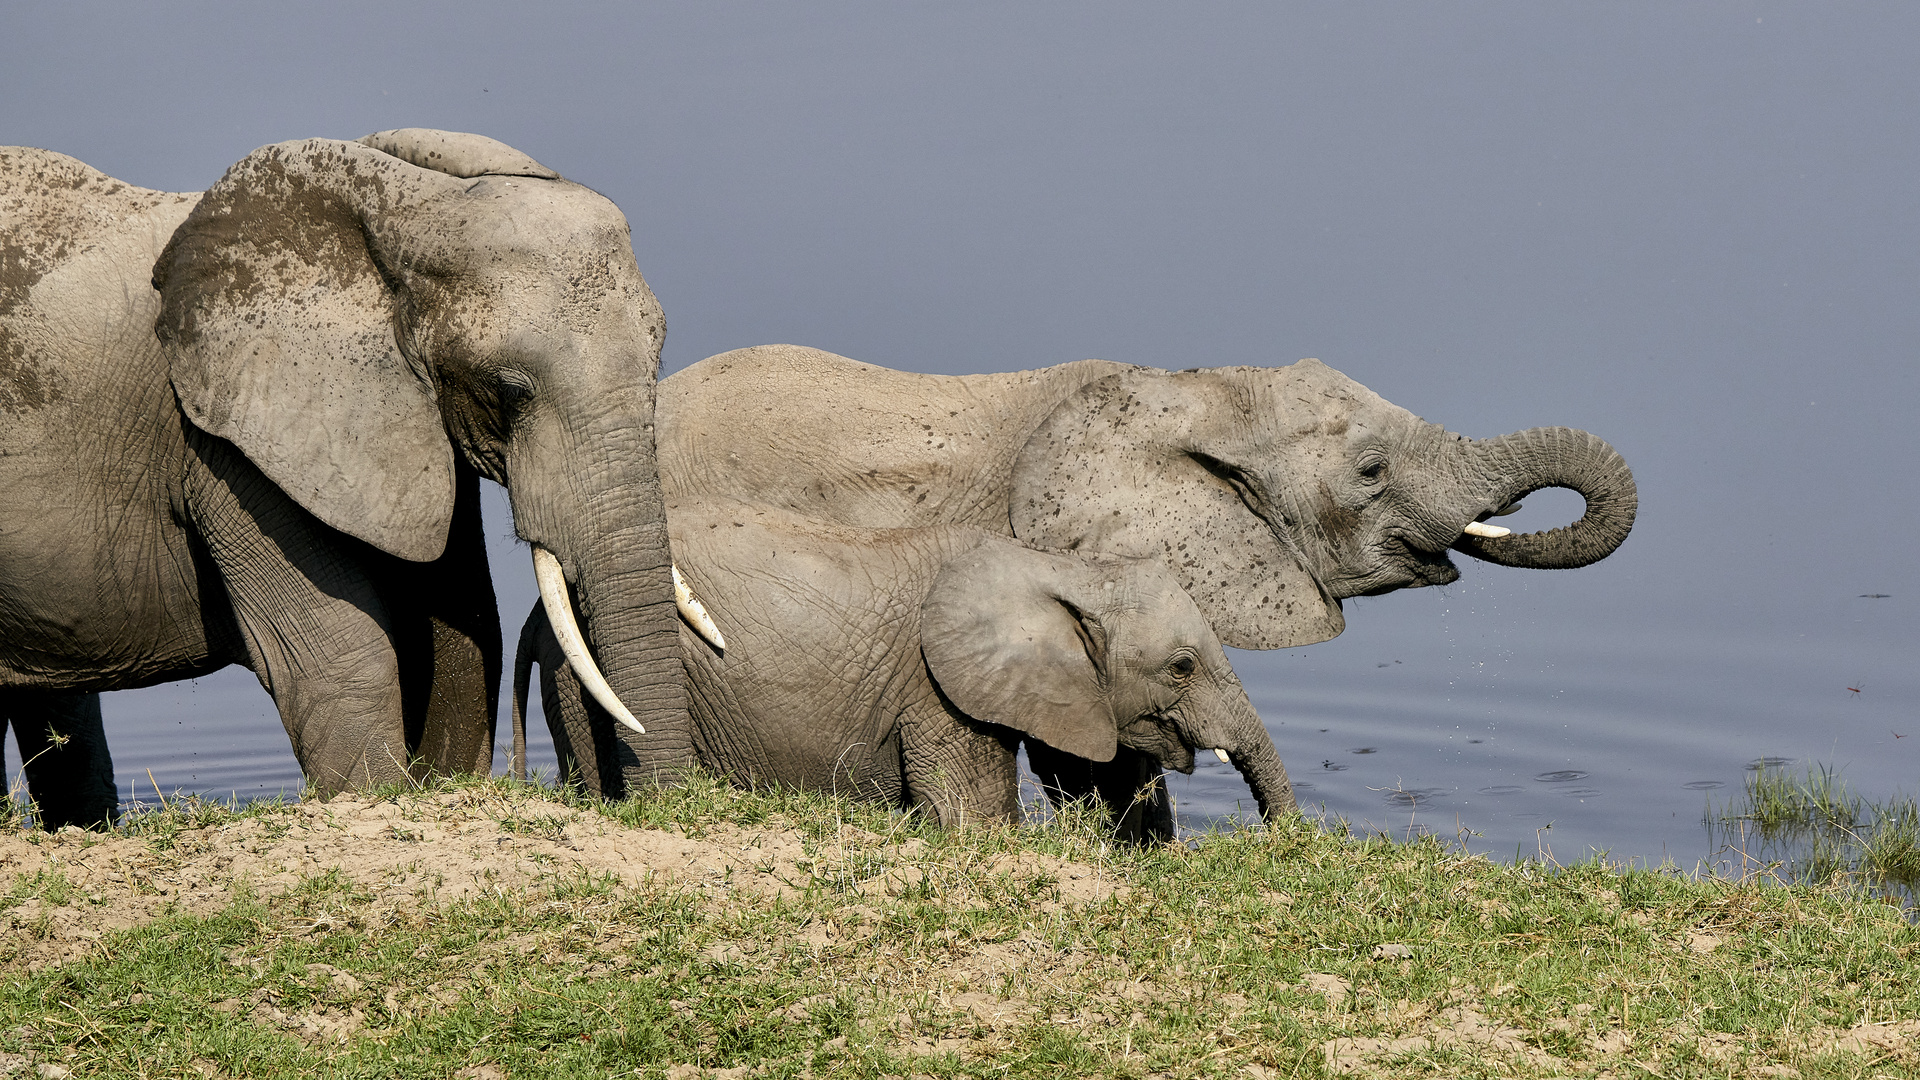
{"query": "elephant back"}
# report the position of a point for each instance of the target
(76, 252)
(856, 444)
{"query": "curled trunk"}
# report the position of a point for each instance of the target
(1526, 461)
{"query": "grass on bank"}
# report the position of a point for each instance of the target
(899, 949)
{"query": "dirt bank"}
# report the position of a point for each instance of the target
(422, 849)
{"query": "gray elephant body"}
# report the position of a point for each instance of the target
(1272, 494)
(904, 665)
(248, 427)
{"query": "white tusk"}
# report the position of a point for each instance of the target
(1512, 507)
(1222, 755)
(695, 612)
(1485, 531)
(553, 595)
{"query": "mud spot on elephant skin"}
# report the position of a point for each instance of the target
(22, 266)
(251, 246)
(1339, 524)
(23, 384)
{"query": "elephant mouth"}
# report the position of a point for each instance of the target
(1400, 563)
(1160, 737)
(1181, 760)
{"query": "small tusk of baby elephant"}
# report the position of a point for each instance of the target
(553, 596)
(695, 612)
(1485, 531)
(1222, 755)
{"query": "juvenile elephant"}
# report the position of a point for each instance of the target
(248, 427)
(1271, 493)
(904, 665)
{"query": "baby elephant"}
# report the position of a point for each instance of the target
(905, 665)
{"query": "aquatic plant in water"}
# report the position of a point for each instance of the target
(1809, 827)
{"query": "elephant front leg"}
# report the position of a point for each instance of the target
(309, 612)
(1131, 787)
(961, 770)
(63, 751)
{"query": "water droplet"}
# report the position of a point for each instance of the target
(1561, 777)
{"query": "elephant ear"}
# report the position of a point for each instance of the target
(278, 315)
(456, 153)
(1011, 637)
(1149, 464)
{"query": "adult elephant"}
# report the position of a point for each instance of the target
(1272, 493)
(248, 427)
(904, 665)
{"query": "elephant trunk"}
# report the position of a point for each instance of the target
(625, 587)
(1527, 461)
(1243, 736)
(1260, 766)
(594, 503)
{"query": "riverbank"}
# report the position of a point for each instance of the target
(488, 930)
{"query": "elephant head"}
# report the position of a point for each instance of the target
(1090, 653)
(356, 317)
(1275, 493)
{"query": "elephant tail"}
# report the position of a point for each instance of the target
(523, 657)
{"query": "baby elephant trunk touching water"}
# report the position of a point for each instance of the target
(905, 665)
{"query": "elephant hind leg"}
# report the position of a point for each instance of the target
(63, 751)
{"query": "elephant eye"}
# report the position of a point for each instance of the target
(1182, 667)
(515, 385)
(1372, 468)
